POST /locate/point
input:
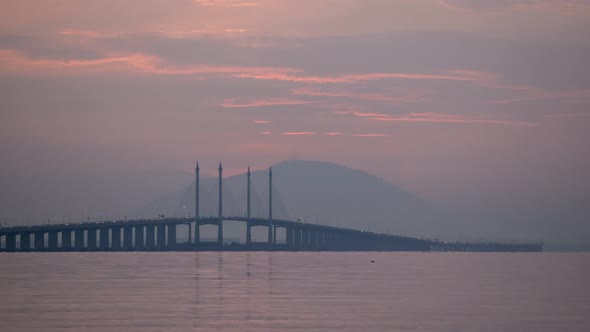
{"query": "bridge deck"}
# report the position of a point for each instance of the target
(160, 234)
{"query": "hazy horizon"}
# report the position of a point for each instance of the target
(478, 107)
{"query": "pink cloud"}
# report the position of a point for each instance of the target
(225, 3)
(455, 120)
(431, 117)
(16, 62)
(332, 134)
(299, 133)
(364, 114)
(352, 78)
(579, 7)
(231, 103)
(371, 135)
(260, 121)
(575, 96)
(378, 97)
(567, 115)
(87, 33)
(266, 133)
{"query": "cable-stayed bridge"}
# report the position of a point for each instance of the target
(162, 234)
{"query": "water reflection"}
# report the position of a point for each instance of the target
(285, 291)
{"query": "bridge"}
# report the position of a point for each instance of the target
(161, 234)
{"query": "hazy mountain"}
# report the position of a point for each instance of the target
(318, 192)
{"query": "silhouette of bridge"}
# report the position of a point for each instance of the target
(161, 234)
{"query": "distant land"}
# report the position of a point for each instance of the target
(313, 191)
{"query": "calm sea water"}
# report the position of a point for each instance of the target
(260, 291)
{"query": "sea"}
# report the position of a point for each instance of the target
(294, 291)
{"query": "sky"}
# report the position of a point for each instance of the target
(478, 104)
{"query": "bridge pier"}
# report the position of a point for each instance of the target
(297, 238)
(11, 242)
(289, 235)
(161, 229)
(150, 236)
(319, 240)
(128, 237)
(171, 236)
(139, 237)
(197, 233)
(79, 239)
(116, 238)
(91, 244)
(25, 241)
(248, 233)
(104, 238)
(305, 238)
(66, 239)
(220, 233)
(39, 240)
(52, 240)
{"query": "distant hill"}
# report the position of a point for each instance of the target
(316, 192)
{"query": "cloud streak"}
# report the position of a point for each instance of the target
(225, 3)
(451, 119)
(299, 133)
(231, 103)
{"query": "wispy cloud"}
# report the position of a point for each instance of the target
(377, 97)
(567, 115)
(299, 133)
(225, 3)
(332, 134)
(452, 119)
(16, 62)
(533, 94)
(260, 121)
(366, 114)
(87, 33)
(231, 103)
(371, 135)
(351, 78)
(577, 7)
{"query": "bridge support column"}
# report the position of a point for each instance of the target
(332, 240)
(39, 240)
(139, 237)
(128, 237)
(66, 239)
(318, 239)
(220, 233)
(79, 239)
(52, 240)
(289, 235)
(150, 236)
(171, 236)
(297, 238)
(91, 238)
(25, 241)
(314, 239)
(116, 238)
(104, 238)
(11, 242)
(305, 238)
(274, 234)
(197, 233)
(161, 236)
(248, 233)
